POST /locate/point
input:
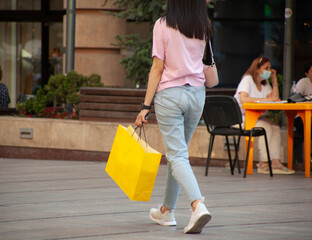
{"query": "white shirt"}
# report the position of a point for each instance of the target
(304, 86)
(248, 85)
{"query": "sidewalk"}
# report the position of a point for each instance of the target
(77, 200)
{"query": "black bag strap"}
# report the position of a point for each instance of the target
(208, 52)
(212, 58)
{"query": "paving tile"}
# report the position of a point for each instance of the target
(78, 200)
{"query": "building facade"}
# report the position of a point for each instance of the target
(244, 30)
(32, 40)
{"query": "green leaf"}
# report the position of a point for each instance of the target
(140, 11)
(63, 88)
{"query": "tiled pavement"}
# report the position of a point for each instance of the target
(78, 200)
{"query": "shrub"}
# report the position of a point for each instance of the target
(61, 90)
(139, 11)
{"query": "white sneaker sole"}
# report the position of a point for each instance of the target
(279, 171)
(199, 224)
(263, 171)
(162, 222)
(276, 171)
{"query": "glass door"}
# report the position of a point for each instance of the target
(31, 44)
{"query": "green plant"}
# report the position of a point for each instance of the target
(139, 63)
(20, 108)
(275, 116)
(139, 11)
(61, 90)
(64, 89)
(35, 105)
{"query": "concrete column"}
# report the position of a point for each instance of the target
(288, 66)
(13, 50)
(95, 36)
(288, 62)
(70, 35)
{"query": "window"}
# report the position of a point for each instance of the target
(244, 30)
(20, 5)
(56, 5)
(31, 43)
(303, 37)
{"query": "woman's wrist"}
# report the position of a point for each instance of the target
(148, 107)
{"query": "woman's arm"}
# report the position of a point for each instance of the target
(244, 98)
(275, 93)
(153, 81)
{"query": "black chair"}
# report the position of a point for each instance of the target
(220, 114)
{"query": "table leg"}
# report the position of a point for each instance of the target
(251, 117)
(306, 118)
(290, 134)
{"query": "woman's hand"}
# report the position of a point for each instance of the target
(273, 75)
(140, 120)
(274, 95)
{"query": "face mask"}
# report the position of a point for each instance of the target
(265, 75)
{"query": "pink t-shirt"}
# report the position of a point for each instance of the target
(182, 57)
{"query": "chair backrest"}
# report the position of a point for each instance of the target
(221, 111)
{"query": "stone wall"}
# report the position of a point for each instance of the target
(94, 34)
(73, 135)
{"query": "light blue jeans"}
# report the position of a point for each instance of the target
(178, 111)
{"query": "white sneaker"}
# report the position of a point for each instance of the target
(166, 219)
(200, 217)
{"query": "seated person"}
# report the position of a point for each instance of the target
(304, 87)
(4, 93)
(254, 86)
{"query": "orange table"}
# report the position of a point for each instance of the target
(254, 110)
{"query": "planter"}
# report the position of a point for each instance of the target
(72, 140)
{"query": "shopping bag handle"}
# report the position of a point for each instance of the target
(136, 127)
(140, 133)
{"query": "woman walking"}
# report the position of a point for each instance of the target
(176, 82)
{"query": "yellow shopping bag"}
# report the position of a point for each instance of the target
(133, 164)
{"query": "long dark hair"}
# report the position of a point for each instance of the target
(190, 17)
